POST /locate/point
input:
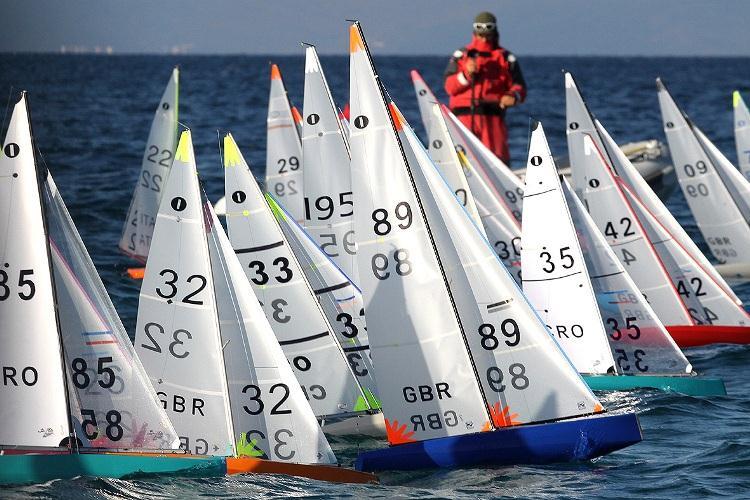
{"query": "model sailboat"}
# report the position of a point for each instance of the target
(444, 374)
(78, 402)
(157, 158)
(210, 351)
(308, 337)
(717, 194)
(283, 148)
(675, 294)
(587, 300)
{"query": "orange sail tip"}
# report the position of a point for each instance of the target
(503, 418)
(136, 273)
(397, 433)
(275, 73)
(355, 40)
(415, 76)
(598, 408)
(398, 119)
(296, 115)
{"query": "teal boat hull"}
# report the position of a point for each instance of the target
(30, 468)
(691, 386)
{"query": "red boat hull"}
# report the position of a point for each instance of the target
(696, 335)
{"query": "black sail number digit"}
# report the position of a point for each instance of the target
(26, 286)
(171, 283)
(402, 212)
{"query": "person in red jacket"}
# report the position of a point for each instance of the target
(483, 80)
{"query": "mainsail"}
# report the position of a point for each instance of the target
(33, 403)
(157, 160)
(328, 203)
(287, 298)
(177, 334)
(742, 132)
(283, 148)
(555, 277)
(719, 218)
(424, 371)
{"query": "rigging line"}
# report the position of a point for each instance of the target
(5, 115)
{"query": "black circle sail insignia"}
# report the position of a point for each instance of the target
(178, 204)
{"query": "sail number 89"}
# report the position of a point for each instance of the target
(380, 264)
(383, 226)
(518, 378)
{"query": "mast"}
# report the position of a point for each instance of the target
(426, 223)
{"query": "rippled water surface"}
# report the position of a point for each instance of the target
(91, 117)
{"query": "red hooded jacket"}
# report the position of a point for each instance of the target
(498, 74)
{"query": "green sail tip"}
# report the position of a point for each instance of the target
(278, 212)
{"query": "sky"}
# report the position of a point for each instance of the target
(407, 27)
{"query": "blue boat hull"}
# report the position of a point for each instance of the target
(569, 440)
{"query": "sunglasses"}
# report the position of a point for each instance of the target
(482, 27)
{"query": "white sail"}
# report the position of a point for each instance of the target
(328, 208)
(623, 167)
(283, 149)
(555, 278)
(597, 187)
(508, 186)
(113, 404)
(270, 415)
(511, 349)
(742, 132)
(177, 334)
(691, 281)
(579, 123)
(446, 158)
(441, 147)
(476, 193)
(737, 185)
(340, 299)
(157, 159)
(425, 99)
(719, 219)
(424, 371)
(33, 405)
(638, 339)
(287, 298)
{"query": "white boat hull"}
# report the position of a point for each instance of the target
(361, 425)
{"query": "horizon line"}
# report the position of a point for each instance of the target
(345, 54)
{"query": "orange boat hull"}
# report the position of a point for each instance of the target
(330, 473)
(697, 335)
